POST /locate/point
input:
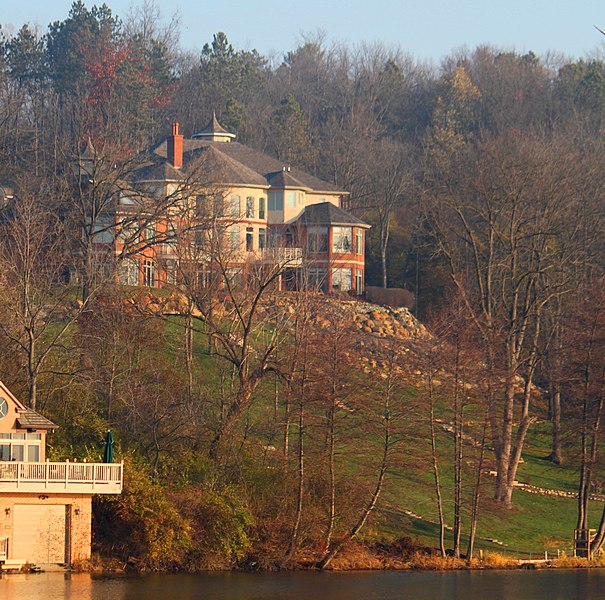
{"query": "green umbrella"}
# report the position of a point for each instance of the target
(108, 451)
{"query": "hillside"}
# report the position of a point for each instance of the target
(383, 341)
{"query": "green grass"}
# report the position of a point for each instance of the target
(535, 523)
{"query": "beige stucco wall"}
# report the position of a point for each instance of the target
(80, 525)
(8, 424)
(316, 198)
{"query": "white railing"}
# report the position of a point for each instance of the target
(284, 255)
(95, 478)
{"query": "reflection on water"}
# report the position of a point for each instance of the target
(477, 585)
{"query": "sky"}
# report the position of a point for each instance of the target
(426, 29)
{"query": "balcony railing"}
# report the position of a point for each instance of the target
(57, 477)
(286, 256)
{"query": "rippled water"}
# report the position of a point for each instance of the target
(477, 585)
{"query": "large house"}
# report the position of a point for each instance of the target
(264, 212)
(45, 507)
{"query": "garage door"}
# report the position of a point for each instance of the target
(39, 533)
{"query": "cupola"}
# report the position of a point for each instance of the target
(214, 132)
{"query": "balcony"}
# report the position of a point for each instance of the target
(283, 256)
(61, 477)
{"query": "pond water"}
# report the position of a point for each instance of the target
(476, 585)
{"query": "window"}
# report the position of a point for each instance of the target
(262, 239)
(234, 277)
(276, 201)
(291, 199)
(301, 198)
(317, 280)
(261, 208)
(128, 272)
(359, 241)
(359, 282)
(102, 231)
(342, 240)
(20, 446)
(274, 239)
(341, 279)
(149, 232)
(127, 231)
(249, 239)
(249, 207)
(234, 207)
(234, 238)
(171, 271)
(149, 273)
(317, 239)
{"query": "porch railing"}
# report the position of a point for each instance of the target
(98, 478)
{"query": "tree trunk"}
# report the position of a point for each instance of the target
(435, 460)
(476, 494)
(329, 556)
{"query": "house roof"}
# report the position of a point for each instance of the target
(252, 166)
(30, 419)
(325, 213)
(284, 179)
(26, 417)
(158, 170)
(222, 168)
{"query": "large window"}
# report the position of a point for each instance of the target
(359, 241)
(317, 239)
(262, 238)
(20, 446)
(291, 199)
(341, 280)
(261, 208)
(342, 239)
(128, 272)
(234, 207)
(149, 271)
(317, 280)
(249, 207)
(276, 200)
(103, 231)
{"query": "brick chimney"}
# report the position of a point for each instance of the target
(175, 147)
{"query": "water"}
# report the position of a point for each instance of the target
(476, 585)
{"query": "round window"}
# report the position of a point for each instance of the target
(3, 408)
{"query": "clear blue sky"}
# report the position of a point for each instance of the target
(427, 29)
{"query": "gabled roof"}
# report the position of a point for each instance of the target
(252, 163)
(325, 213)
(26, 417)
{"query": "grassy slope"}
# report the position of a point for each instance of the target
(535, 524)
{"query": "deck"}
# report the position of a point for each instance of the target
(61, 477)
